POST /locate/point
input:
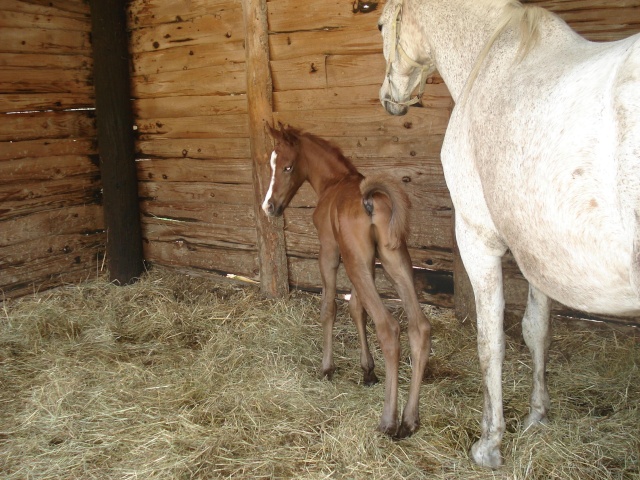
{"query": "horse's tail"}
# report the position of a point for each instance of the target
(400, 205)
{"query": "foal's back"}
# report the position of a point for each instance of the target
(341, 211)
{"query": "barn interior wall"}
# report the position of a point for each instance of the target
(326, 69)
(51, 223)
(194, 162)
(193, 140)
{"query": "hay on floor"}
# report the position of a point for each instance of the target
(181, 377)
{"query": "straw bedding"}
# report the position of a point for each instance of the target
(184, 377)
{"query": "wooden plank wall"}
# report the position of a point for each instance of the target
(327, 67)
(51, 225)
(194, 160)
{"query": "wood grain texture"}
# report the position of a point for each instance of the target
(148, 13)
(202, 256)
(46, 147)
(25, 170)
(80, 220)
(48, 262)
(194, 148)
(47, 125)
(218, 27)
(189, 57)
(231, 170)
(217, 126)
(29, 197)
(40, 40)
(272, 256)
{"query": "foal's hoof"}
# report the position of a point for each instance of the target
(389, 430)
(328, 373)
(369, 378)
(406, 430)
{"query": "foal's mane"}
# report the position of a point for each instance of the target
(525, 18)
(291, 134)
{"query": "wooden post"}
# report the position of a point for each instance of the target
(463, 297)
(272, 256)
(115, 139)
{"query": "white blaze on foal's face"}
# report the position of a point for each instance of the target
(265, 204)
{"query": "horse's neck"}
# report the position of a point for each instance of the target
(324, 168)
(457, 31)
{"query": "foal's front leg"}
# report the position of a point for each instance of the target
(359, 316)
(329, 259)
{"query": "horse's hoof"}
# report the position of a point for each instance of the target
(406, 430)
(534, 419)
(328, 373)
(370, 378)
(486, 456)
(389, 430)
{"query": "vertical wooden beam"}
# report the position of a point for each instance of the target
(463, 297)
(115, 139)
(272, 256)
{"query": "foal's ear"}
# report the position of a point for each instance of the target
(275, 134)
(290, 135)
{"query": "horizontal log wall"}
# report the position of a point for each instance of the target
(51, 224)
(194, 159)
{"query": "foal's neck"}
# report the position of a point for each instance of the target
(325, 164)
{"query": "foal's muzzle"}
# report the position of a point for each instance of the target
(271, 210)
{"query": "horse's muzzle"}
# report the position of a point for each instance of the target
(394, 108)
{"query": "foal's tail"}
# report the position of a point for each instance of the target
(400, 205)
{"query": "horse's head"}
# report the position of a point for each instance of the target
(287, 174)
(406, 68)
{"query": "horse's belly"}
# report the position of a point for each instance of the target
(568, 211)
(583, 270)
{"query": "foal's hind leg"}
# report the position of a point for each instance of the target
(359, 316)
(397, 264)
(358, 257)
(537, 336)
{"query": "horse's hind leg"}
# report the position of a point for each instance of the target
(359, 316)
(397, 264)
(537, 336)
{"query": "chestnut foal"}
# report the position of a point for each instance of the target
(359, 218)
